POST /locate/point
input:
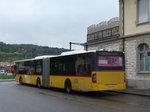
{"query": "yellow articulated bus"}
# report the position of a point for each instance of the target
(80, 71)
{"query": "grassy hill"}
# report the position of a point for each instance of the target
(11, 52)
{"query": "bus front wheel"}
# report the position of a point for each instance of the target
(68, 86)
(38, 83)
(20, 81)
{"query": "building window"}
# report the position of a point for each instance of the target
(144, 59)
(142, 11)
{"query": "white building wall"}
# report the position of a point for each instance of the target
(130, 54)
(134, 77)
(115, 45)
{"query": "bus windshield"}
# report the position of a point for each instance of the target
(110, 61)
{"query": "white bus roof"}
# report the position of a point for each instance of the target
(73, 52)
(37, 58)
(81, 51)
(62, 54)
(44, 56)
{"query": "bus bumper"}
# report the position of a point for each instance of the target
(101, 87)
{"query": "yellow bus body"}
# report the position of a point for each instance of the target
(29, 79)
(105, 80)
(109, 80)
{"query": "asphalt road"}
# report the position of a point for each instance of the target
(23, 98)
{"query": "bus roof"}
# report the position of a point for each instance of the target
(65, 54)
(37, 58)
(83, 51)
(44, 56)
(75, 52)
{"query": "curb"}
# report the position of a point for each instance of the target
(6, 80)
(131, 93)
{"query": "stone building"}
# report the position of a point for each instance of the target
(129, 33)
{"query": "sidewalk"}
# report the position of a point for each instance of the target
(140, 92)
(6, 80)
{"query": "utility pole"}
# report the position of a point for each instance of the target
(70, 43)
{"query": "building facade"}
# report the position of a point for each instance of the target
(129, 33)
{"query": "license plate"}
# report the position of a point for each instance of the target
(110, 85)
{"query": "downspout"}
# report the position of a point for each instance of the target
(123, 39)
(123, 15)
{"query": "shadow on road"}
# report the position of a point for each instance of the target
(97, 94)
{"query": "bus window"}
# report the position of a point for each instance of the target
(29, 67)
(62, 65)
(84, 68)
(88, 68)
(83, 64)
(38, 67)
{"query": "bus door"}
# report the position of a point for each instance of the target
(46, 72)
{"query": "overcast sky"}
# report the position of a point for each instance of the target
(52, 23)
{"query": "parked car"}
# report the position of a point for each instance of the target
(3, 72)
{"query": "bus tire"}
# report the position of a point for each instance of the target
(20, 81)
(68, 86)
(38, 83)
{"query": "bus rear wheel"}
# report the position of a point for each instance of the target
(68, 86)
(38, 83)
